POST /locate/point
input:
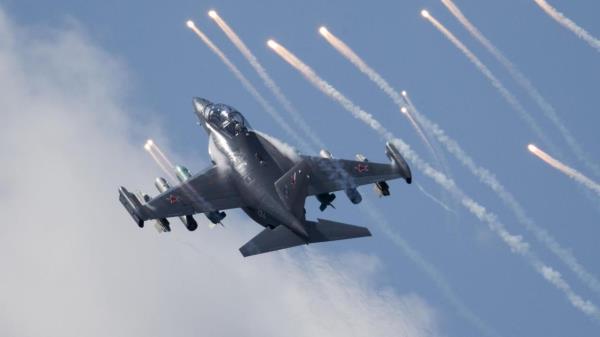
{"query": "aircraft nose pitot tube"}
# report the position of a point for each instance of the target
(200, 104)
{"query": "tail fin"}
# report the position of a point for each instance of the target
(292, 188)
(281, 237)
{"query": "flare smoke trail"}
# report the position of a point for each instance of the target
(162, 160)
(569, 24)
(509, 97)
(569, 171)
(526, 84)
(246, 83)
(430, 196)
(430, 271)
(484, 175)
(277, 92)
(514, 242)
(349, 54)
(264, 75)
(372, 211)
(369, 209)
(151, 145)
(489, 179)
(151, 148)
(358, 62)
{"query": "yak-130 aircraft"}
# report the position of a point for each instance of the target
(268, 180)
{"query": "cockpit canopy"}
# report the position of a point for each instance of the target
(225, 118)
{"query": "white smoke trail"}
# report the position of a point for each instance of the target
(430, 271)
(349, 54)
(507, 95)
(526, 84)
(366, 207)
(369, 209)
(490, 180)
(247, 85)
(152, 145)
(267, 80)
(569, 24)
(423, 264)
(514, 242)
(436, 200)
(484, 175)
(399, 100)
(569, 171)
(162, 166)
(163, 161)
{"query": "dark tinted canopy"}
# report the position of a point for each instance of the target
(226, 118)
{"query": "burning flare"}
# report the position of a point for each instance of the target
(569, 171)
(514, 242)
(502, 90)
(269, 83)
(526, 84)
(247, 84)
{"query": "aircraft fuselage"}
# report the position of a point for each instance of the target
(255, 172)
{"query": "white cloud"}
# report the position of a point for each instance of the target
(74, 264)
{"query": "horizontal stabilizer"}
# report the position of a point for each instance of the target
(292, 188)
(327, 230)
(281, 237)
(271, 239)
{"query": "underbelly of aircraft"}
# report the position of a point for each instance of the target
(262, 217)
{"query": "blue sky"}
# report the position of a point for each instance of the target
(165, 65)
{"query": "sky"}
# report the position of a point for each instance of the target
(84, 85)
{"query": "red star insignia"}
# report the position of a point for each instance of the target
(172, 199)
(362, 168)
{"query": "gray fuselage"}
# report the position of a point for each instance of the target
(254, 170)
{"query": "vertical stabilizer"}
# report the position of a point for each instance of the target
(292, 188)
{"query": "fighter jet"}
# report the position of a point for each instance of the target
(268, 180)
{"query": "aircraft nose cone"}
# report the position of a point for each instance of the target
(200, 104)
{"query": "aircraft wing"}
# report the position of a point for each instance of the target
(209, 190)
(330, 175)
